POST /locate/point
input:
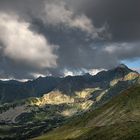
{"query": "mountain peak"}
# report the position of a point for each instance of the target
(123, 66)
(87, 75)
(122, 69)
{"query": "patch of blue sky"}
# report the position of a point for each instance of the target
(133, 64)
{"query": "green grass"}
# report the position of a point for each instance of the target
(119, 119)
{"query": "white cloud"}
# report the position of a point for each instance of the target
(68, 73)
(20, 80)
(95, 71)
(81, 72)
(37, 75)
(22, 45)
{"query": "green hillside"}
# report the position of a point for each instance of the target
(74, 96)
(119, 119)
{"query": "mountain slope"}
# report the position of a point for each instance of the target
(64, 98)
(119, 119)
(11, 91)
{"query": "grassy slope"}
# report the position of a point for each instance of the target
(117, 120)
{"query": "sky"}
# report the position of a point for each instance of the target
(60, 37)
(135, 64)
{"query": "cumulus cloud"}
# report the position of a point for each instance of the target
(22, 45)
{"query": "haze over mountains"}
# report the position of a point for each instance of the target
(31, 108)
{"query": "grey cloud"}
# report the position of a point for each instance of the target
(124, 50)
(122, 16)
(60, 14)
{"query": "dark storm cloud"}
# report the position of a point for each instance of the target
(123, 17)
(66, 35)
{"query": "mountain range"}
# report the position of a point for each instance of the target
(75, 105)
(14, 90)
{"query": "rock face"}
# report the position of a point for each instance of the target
(63, 98)
(56, 97)
(12, 113)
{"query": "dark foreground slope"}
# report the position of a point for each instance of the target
(119, 119)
